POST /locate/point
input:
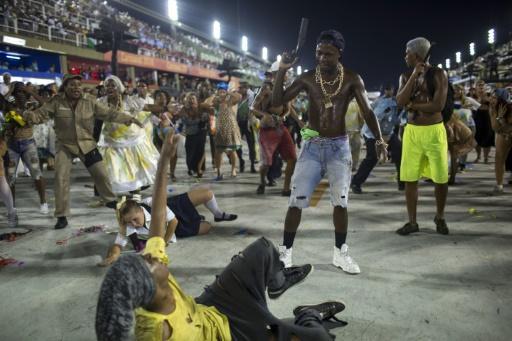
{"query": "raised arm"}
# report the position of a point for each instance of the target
(105, 113)
(159, 201)
(279, 95)
(257, 107)
(41, 114)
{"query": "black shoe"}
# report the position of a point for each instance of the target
(292, 276)
(356, 189)
(407, 229)
(253, 170)
(286, 193)
(441, 226)
(271, 183)
(242, 166)
(62, 222)
(111, 204)
(261, 189)
(327, 310)
(226, 217)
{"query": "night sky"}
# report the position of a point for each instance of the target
(375, 32)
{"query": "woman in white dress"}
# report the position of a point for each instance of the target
(129, 153)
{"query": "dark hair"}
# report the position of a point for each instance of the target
(332, 37)
(127, 207)
(167, 97)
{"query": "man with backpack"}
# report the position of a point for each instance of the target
(385, 109)
(423, 93)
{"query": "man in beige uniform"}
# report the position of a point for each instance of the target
(74, 114)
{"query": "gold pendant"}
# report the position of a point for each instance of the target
(327, 103)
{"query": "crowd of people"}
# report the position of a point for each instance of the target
(66, 18)
(129, 140)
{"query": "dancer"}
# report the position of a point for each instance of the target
(21, 145)
(233, 307)
(274, 137)
(227, 137)
(195, 117)
(130, 156)
(501, 120)
(425, 145)
(182, 218)
(244, 125)
(385, 110)
(330, 88)
(484, 134)
(5, 190)
(74, 115)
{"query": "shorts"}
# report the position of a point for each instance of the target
(189, 219)
(320, 156)
(26, 150)
(424, 153)
(276, 139)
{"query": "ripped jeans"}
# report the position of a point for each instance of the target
(26, 150)
(318, 157)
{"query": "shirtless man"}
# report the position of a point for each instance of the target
(330, 89)
(274, 136)
(425, 145)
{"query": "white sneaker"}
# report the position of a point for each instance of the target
(285, 256)
(44, 208)
(341, 259)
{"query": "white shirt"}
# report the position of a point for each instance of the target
(4, 88)
(144, 230)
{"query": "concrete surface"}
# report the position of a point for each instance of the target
(421, 287)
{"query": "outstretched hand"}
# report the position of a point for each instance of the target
(288, 60)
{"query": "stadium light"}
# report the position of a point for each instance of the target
(440, 66)
(264, 53)
(245, 44)
(447, 63)
(278, 58)
(472, 49)
(491, 37)
(305, 70)
(172, 9)
(457, 57)
(216, 30)
(299, 70)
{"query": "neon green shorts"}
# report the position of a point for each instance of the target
(425, 153)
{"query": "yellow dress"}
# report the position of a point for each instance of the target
(189, 321)
(130, 156)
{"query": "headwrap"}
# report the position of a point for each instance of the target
(420, 46)
(119, 85)
(332, 37)
(222, 86)
(127, 285)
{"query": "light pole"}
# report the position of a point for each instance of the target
(264, 53)
(245, 44)
(216, 30)
(447, 64)
(471, 67)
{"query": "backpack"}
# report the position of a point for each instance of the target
(449, 104)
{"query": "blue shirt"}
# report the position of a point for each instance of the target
(385, 110)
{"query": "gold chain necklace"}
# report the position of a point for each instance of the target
(319, 80)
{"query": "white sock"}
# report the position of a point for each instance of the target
(6, 195)
(214, 208)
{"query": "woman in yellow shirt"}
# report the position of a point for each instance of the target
(232, 308)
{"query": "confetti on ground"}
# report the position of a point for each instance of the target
(82, 231)
(9, 261)
(472, 210)
(243, 232)
(12, 236)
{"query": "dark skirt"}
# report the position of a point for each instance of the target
(189, 219)
(484, 135)
(194, 148)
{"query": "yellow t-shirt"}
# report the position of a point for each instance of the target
(189, 321)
